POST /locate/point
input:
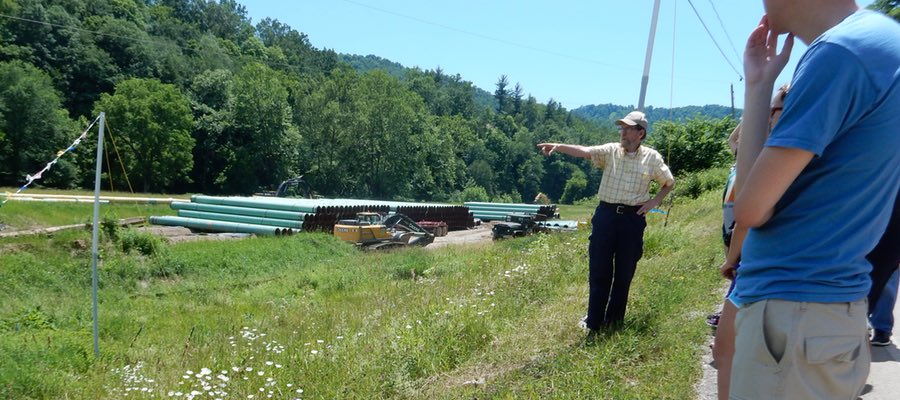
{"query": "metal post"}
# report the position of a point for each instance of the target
(649, 55)
(95, 233)
(733, 116)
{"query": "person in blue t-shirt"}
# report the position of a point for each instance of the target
(723, 343)
(813, 199)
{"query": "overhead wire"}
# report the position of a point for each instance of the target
(714, 40)
(119, 156)
(486, 37)
(727, 36)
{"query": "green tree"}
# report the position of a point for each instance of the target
(33, 127)
(262, 137)
(889, 7)
(693, 145)
(502, 94)
(152, 123)
(390, 139)
(210, 94)
(575, 188)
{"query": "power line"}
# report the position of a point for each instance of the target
(486, 37)
(714, 40)
(727, 36)
(84, 30)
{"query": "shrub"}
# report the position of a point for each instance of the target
(144, 243)
(694, 145)
(694, 184)
(575, 188)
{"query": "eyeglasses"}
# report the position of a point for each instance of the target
(635, 127)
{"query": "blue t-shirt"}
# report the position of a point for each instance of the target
(844, 106)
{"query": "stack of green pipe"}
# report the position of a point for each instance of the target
(220, 226)
(291, 212)
(499, 211)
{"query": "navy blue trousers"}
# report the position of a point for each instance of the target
(615, 246)
(885, 256)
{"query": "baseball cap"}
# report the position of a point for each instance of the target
(634, 118)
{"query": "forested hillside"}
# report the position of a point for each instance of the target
(371, 62)
(607, 113)
(199, 98)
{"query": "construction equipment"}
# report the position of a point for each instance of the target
(294, 187)
(515, 225)
(373, 231)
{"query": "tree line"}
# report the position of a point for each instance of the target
(199, 99)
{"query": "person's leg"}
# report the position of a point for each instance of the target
(793, 350)
(600, 259)
(629, 249)
(882, 317)
(723, 348)
(885, 256)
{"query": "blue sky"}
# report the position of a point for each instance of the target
(578, 52)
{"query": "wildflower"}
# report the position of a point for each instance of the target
(314, 351)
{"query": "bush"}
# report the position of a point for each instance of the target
(694, 184)
(110, 227)
(472, 193)
(144, 243)
(575, 188)
(693, 145)
(507, 198)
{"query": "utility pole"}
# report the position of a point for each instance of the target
(649, 55)
(732, 101)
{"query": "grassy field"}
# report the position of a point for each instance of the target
(20, 215)
(310, 317)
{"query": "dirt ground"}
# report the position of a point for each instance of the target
(478, 234)
(175, 234)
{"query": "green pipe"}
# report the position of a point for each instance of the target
(273, 203)
(244, 219)
(253, 212)
(502, 212)
(220, 226)
(502, 206)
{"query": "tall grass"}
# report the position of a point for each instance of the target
(311, 317)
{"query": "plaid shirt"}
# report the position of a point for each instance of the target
(626, 177)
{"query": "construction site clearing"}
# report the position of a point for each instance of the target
(370, 224)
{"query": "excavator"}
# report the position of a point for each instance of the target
(374, 231)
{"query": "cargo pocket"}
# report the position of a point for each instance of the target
(824, 349)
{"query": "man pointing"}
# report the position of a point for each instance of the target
(617, 236)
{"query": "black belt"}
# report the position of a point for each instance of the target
(620, 208)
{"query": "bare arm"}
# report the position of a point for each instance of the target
(573, 150)
(734, 138)
(656, 200)
(772, 174)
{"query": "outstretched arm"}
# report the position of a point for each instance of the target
(573, 150)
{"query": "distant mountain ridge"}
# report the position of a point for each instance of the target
(371, 62)
(599, 113)
(605, 113)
